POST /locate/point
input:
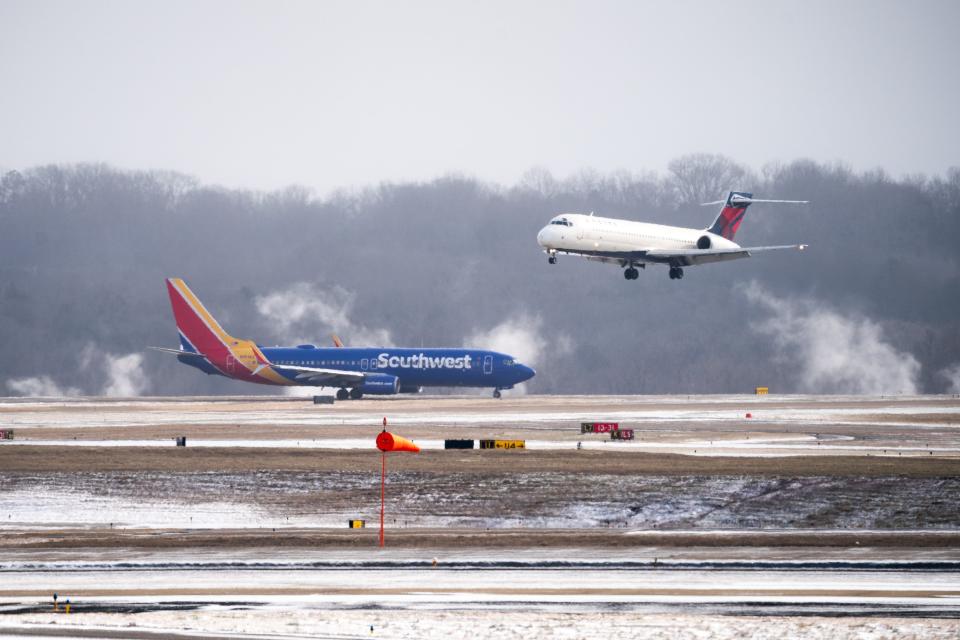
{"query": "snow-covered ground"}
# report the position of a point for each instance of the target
(448, 412)
(284, 499)
(344, 594)
(279, 622)
(721, 592)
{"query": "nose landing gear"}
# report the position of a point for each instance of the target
(496, 393)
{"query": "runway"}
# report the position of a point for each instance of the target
(814, 516)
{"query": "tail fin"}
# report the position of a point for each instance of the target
(199, 331)
(731, 215)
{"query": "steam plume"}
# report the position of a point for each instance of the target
(303, 312)
(833, 353)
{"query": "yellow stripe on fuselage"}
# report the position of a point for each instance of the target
(233, 345)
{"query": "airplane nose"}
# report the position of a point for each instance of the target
(542, 236)
(526, 372)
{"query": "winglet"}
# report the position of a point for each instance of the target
(336, 341)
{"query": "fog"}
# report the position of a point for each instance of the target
(870, 307)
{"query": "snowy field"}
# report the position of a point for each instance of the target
(156, 585)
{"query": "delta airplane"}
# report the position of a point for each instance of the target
(635, 244)
(356, 371)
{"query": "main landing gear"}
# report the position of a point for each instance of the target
(676, 273)
(353, 394)
(631, 273)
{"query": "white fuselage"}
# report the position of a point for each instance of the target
(603, 238)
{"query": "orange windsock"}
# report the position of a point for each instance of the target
(387, 441)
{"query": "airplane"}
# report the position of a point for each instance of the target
(354, 371)
(635, 244)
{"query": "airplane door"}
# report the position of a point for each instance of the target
(487, 365)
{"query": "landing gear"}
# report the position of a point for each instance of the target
(342, 394)
(552, 259)
(496, 393)
(676, 273)
(355, 393)
(631, 273)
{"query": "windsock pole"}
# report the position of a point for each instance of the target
(387, 442)
(383, 483)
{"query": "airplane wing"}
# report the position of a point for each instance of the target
(321, 377)
(691, 257)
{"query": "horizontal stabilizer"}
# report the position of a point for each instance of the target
(179, 352)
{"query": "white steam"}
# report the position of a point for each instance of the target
(522, 337)
(305, 312)
(40, 386)
(833, 353)
(952, 374)
(123, 376)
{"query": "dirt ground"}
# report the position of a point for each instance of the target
(26, 458)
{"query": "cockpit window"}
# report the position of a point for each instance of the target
(562, 221)
(508, 363)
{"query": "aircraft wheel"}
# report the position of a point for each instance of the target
(679, 273)
(356, 394)
(631, 274)
(342, 394)
(552, 259)
(496, 393)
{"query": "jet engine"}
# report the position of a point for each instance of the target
(380, 384)
(704, 242)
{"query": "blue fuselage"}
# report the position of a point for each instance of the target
(413, 367)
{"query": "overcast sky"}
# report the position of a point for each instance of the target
(331, 94)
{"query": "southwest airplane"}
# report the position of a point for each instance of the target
(634, 244)
(378, 371)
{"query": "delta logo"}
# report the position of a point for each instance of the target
(422, 361)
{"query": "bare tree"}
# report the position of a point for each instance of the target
(699, 177)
